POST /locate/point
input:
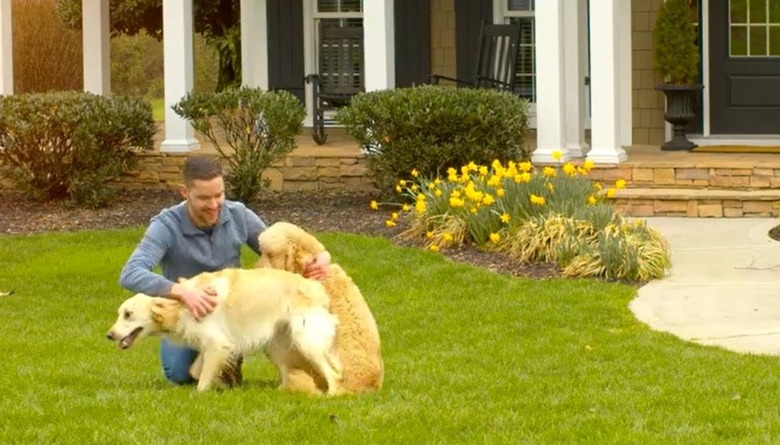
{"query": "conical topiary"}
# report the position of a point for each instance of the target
(676, 55)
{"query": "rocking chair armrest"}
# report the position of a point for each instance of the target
(435, 80)
(312, 78)
(493, 82)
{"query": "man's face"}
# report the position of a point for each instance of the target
(204, 200)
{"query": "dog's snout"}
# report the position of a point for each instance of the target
(110, 335)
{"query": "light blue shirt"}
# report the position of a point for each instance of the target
(183, 250)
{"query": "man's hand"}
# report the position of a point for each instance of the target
(200, 302)
(318, 267)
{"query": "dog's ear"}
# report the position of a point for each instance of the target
(165, 313)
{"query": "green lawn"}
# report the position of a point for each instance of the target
(158, 109)
(471, 357)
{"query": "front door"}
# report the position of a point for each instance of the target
(744, 66)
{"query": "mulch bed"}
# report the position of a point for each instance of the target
(335, 211)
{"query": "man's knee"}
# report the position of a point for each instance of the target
(178, 375)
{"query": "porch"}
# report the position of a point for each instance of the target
(659, 183)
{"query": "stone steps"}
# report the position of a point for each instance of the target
(697, 202)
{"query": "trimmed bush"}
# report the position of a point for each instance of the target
(258, 126)
(675, 53)
(71, 145)
(432, 128)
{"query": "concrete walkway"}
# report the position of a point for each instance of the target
(724, 286)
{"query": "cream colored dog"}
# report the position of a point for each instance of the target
(253, 307)
(289, 247)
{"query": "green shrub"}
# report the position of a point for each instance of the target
(432, 128)
(71, 145)
(258, 126)
(675, 55)
(550, 214)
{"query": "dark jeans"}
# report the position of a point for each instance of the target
(176, 361)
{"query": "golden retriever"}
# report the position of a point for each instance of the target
(357, 345)
(253, 307)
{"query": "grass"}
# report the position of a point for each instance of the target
(471, 357)
(158, 109)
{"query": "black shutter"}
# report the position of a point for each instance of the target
(469, 15)
(412, 42)
(285, 46)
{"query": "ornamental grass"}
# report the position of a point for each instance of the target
(553, 213)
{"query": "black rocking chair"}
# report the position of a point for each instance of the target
(339, 76)
(496, 58)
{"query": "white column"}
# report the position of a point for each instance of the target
(179, 76)
(550, 94)
(6, 49)
(254, 44)
(379, 44)
(96, 35)
(610, 48)
(576, 59)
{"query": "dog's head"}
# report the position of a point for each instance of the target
(138, 317)
(288, 247)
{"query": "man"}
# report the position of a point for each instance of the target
(204, 233)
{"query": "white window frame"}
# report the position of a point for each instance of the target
(502, 14)
(311, 18)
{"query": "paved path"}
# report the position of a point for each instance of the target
(724, 286)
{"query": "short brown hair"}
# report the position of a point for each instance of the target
(203, 168)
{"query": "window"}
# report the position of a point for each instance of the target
(754, 28)
(522, 13)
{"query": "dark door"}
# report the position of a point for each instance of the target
(285, 46)
(469, 15)
(745, 66)
(412, 42)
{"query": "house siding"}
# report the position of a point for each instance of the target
(648, 104)
(443, 37)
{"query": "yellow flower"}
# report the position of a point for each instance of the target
(434, 248)
(620, 183)
(494, 181)
(431, 185)
(549, 172)
(472, 166)
(591, 199)
(405, 208)
(500, 192)
(495, 237)
(374, 205)
(505, 217)
(420, 207)
(610, 193)
(525, 166)
(538, 200)
(390, 223)
(588, 164)
(414, 187)
(550, 186)
(488, 200)
(557, 155)
(402, 183)
(598, 186)
(496, 164)
(437, 192)
(415, 173)
(429, 234)
(398, 189)
(420, 197)
(393, 216)
(455, 194)
(483, 171)
(447, 236)
(452, 174)
(569, 169)
(473, 210)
